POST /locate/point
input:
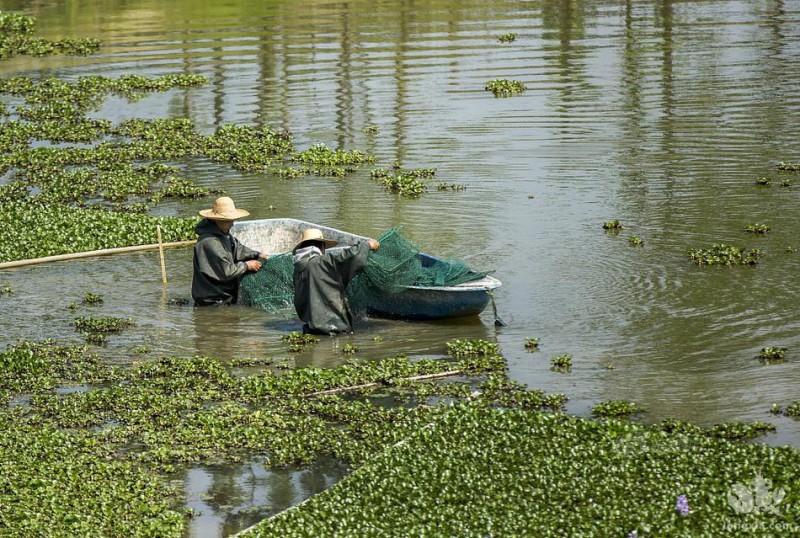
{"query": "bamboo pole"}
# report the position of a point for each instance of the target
(91, 253)
(449, 373)
(161, 255)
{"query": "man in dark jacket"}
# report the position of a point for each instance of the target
(219, 258)
(320, 281)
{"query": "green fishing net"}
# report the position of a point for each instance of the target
(396, 265)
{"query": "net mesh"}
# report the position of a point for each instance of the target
(396, 265)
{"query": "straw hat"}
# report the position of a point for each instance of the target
(224, 210)
(313, 234)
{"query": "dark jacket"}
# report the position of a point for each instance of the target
(218, 263)
(319, 288)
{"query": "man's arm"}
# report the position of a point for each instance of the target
(215, 262)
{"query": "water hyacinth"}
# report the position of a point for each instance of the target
(504, 87)
(532, 344)
(757, 228)
(561, 363)
(615, 408)
(772, 354)
(724, 255)
(682, 505)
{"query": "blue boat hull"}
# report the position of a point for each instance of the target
(429, 303)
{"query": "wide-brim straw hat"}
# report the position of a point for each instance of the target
(224, 209)
(313, 234)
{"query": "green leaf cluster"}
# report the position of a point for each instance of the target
(15, 38)
(772, 354)
(615, 408)
(502, 87)
(724, 255)
(469, 470)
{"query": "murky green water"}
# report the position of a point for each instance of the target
(658, 113)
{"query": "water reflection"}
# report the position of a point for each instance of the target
(229, 498)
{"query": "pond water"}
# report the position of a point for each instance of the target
(661, 114)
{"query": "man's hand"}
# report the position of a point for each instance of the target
(373, 245)
(253, 265)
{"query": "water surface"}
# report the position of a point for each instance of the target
(658, 113)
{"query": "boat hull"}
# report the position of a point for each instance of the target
(430, 303)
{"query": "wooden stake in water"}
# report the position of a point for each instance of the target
(161, 254)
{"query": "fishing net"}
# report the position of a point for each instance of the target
(396, 265)
(270, 288)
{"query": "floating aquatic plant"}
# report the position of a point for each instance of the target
(507, 37)
(76, 230)
(405, 181)
(15, 38)
(97, 339)
(561, 363)
(471, 348)
(6, 290)
(724, 255)
(732, 431)
(405, 185)
(793, 409)
(451, 186)
(523, 463)
(635, 241)
(763, 182)
(786, 183)
(739, 431)
(772, 354)
(757, 228)
(505, 87)
(532, 344)
(615, 408)
(349, 349)
(92, 299)
(613, 225)
(298, 341)
(105, 324)
(789, 167)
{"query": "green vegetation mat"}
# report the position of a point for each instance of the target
(91, 448)
(470, 470)
(108, 440)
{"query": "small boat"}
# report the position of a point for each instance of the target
(278, 236)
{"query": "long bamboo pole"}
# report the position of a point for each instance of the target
(449, 373)
(89, 254)
(161, 255)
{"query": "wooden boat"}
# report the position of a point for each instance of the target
(277, 236)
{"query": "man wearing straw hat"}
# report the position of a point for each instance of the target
(219, 258)
(321, 278)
